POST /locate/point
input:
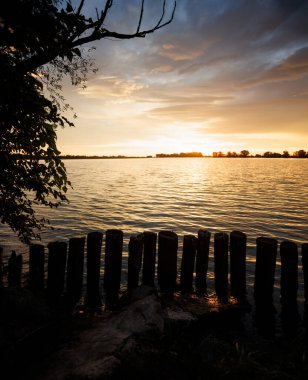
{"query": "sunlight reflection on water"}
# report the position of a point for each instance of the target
(261, 197)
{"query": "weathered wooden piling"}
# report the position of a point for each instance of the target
(15, 270)
(305, 271)
(149, 258)
(238, 241)
(74, 273)
(1, 265)
(167, 261)
(221, 240)
(265, 271)
(36, 267)
(57, 256)
(289, 276)
(135, 248)
(188, 263)
(94, 248)
(202, 260)
(113, 265)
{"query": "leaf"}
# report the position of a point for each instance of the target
(69, 8)
(77, 52)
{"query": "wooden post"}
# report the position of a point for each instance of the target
(202, 260)
(238, 241)
(266, 254)
(1, 265)
(188, 263)
(221, 264)
(134, 260)
(36, 267)
(149, 257)
(57, 255)
(15, 270)
(113, 266)
(94, 247)
(167, 261)
(305, 270)
(74, 279)
(265, 271)
(289, 281)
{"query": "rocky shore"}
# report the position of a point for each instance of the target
(148, 336)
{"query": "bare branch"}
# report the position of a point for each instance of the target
(141, 15)
(80, 7)
(158, 26)
(99, 34)
(102, 18)
(163, 13)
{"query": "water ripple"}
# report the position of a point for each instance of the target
(258, 196)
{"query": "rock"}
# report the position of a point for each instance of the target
(98, 352)
(109, 366)
(137, 294)
(175, 315)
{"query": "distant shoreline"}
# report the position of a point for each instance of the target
(165, 156)
(242, 154)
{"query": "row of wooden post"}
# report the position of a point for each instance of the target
(69, 261)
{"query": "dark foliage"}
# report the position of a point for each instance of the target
(40, 43)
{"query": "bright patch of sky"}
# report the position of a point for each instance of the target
(224, 75)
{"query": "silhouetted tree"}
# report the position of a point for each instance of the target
(300, 153)
(232, 154)
(267, 154)
(40, 43)
(285, 154)
(244, 153)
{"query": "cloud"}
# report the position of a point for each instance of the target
(111, 87)
(231, 67)
(179, 53)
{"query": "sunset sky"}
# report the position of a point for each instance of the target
(225, 75)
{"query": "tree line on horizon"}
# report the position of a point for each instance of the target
(245, 153)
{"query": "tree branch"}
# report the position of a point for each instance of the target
(141, 16)
(80, 7)
(99, 34)
(102, 18)
(163, 13)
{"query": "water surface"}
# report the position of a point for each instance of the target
(265, 197)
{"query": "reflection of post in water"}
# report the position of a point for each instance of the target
(289, 285)
(264, 284)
